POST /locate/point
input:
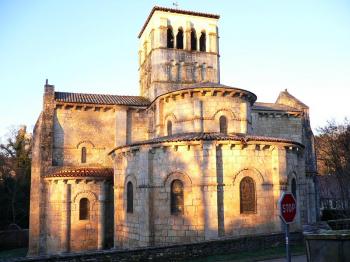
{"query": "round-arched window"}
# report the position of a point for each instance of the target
(223, 124)
(84, 209)
(177, 197)
(129, 198)
(247, 195)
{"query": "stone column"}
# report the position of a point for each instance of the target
(209, 191)
(146, 223)
(187, 44)
(121, 126)
(198, 116)
(162, 40)
(244, 117)
(66, 217)
(279, 179)
(220, 190)
(101, 216)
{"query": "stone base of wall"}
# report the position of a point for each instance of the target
(178, 252)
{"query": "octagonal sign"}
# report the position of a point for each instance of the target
(288, 207)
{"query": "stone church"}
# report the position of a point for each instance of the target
(188, 160)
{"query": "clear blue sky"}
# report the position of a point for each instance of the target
(91, 46)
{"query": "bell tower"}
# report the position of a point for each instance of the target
(177, 49)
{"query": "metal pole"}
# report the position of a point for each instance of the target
(288, 258)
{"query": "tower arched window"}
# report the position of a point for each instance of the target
(247, 196)
(177, 197)
(129, 198)
(169, 128)
(223, 124)
(202, 42)
(294, 188)
(170, 38)
(83, 154)
(180, 39)
(193, 40)
(84, 209)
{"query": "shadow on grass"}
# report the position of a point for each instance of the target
(19, 252)
(257, 255)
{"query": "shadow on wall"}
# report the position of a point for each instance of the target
(58, 143)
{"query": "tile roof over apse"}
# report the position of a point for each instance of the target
(177, 11)
(210, 136)
(101, 99)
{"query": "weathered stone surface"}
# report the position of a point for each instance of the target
(273, 146)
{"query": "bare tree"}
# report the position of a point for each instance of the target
(333, 155)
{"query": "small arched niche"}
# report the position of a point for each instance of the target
(170, 38)
(202, 42)
(180, 39)
(169, 128)
(193, 40)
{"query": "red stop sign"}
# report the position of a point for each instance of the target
(288, 207)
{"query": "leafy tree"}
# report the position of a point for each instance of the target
(15, 166)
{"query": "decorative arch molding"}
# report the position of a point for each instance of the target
(178, 175)
(130, 178)
(170, 116)
(88, 194)
(254, 173)
(85, 142)
(226, 112)
(286, 180)
(292, 174)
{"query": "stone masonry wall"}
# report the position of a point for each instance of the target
(211, 176)
(180, 252)
(201, 113)
(64, 229)
(74, 129)
(277, 125)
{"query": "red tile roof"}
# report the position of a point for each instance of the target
(173, 10)
(80, 172)
(101, 99)
(211, 136)
(273, 107)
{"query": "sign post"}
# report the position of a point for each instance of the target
(288, 210)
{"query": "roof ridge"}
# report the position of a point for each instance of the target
(174, 10)
(97, 94)
(103, 99)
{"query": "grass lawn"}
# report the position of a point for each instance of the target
(271, 253)
(19, 252)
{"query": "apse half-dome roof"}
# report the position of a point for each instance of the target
(212, 85)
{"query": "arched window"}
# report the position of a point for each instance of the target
(169, 128)
(294, 188)
(129, 198)
(193, 40)
(202, 42)
(84, 209)
(247, 195)
(83, 154)
(180, 39)
(177, 198)
(170, 38)
(223, 124)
